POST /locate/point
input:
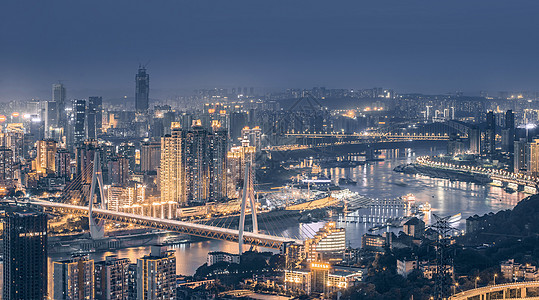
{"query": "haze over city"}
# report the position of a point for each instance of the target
(412, 46)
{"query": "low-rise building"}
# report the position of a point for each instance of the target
(219, 256)
(515, 271)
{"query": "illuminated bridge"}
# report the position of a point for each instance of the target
(201, 230)
(520, 290)
(97, 216)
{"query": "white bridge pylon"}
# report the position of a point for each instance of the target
(248, 193)
(97, 229)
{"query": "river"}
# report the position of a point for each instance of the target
(375, 180)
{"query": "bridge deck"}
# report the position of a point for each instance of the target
(257, 239)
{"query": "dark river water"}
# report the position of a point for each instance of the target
(375, 180)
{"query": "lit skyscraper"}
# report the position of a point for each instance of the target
(45, 162)
(79, 109)
(142, 90)
(25, 254)
(6, 167)
(172, 172)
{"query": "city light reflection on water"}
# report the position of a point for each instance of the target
(375, 180)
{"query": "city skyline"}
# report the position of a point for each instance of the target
(411, 47)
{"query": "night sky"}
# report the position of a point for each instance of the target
(95, 47)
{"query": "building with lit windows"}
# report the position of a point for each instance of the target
(25, 254)
(254, 136)
(321, 277)
(373, 243)
(193, 165)
(111, 278)
(6, 167)
(533, 164)
(329, 243)
(74, 279)
(156, 275)
(45, 162)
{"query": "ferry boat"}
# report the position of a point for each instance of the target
(425, 208)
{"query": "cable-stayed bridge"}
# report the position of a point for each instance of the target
(85, 196)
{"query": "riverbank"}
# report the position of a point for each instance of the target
(452, 175)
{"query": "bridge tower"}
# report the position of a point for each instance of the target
(97, 228)
(248, 193)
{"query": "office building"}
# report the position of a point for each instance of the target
(45, 161)
(50, 115)
(59, 97)
(74, 279)
(508, 132)
(79, 132)
(156, 275)
(112, 278)
(94, 117)
(142, 90)
(25, 254)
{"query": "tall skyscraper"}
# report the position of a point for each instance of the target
(25, 254)
(193, 164)
(50, 116)
(156, 275)
(508, 134)
(94, 117)
(59, 96)
(142, 90)
(45, 162)
(111, 278)
(74, 279)
(172, 172)
(490, 137)
(533, 163)
(520, 156)
(79, 133)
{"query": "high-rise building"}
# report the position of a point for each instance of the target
(254, 136)
(94, 117)
(142, 90)
(533, 164)
(193, 164)
(218, 146)
(79, 133)
(6, 167)
(59, 96)
(172, 172)
(118, 171)
(45, 162)
(132, 282)
(490, 137)
(25, 254)
(111, 278)
(508, 133)
(520, 157)
(63, 163)
(150, 156)
(50, 116)
(156, 275)
(74, 279)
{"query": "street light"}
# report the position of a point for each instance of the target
(476, 280)
(495, 275)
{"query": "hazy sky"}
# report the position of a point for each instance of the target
(95, 47)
